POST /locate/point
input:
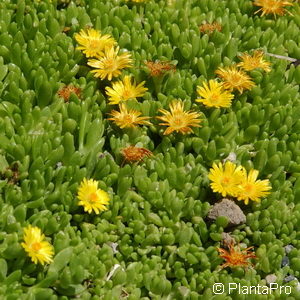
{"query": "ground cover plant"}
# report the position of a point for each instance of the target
(149, 149)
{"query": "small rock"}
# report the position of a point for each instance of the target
(231, 157)
(184, 291)
(285, 261)
(59, 165)
(227, 239)
(289, 278)
(288, 248)
(271, 278)
(229, 209)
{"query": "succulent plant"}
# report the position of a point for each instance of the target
(155, 240)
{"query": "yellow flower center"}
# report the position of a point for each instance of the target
(248, 188)
(36, 246)
(110, 64)
(236, 79)
(134, 153)
(93, 197)
(237, 258)
(94, 44)
(225, 180)
(253, 63)
(214, 97)
(272, 5)
(177, 122)
(127, 94)
(127, 118)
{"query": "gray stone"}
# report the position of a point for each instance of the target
(271, 278)
(285, 261)
(288, 248)
(289, 278)
(227, 239)
(229, 209)
(231, 157)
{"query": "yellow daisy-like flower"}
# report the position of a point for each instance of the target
(124, 90)
(179, 120)
(252, 189)
(159, 68)
(67, 90)
(110, 64)
(128, 118)
(235, 79)
(210, 27)
(214, 95)
(134, 154)
(92, 198)
(136, 1)
(275, 7)
(226, 178)
(235, 256)
(251, 62)
(39, 250)
(92, 43)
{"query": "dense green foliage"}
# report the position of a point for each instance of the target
(157, 214)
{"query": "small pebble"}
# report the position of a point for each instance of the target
(231, 157)
(289, 278)
(288, 248)
(285, 261)
(229, 209)
(227, 239)
(59, 165)
(271, 278)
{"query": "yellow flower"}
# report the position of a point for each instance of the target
(110, 64)
(236, 257)
(158, 68)
(252, 189)
(255, 61)
(136, 1)
(67, 90)
(275, 7)
(179, 120)
(226, 178)
(214, 95)
(92, 198)
(124, 90)
(35, 245)
(210, 27)
(235, 79)
(133, 154)
(92, 43)
(128, 118)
